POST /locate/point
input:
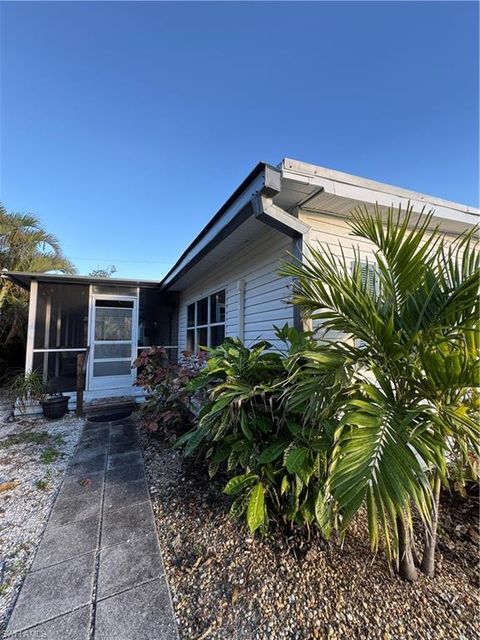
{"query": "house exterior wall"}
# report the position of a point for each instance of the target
(335, 231)
(265, 292)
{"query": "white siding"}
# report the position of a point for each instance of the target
(336, 232)
(266, 293)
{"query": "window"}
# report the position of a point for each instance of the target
(369, 270)
(206, 322)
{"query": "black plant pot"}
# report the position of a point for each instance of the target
(55, 407)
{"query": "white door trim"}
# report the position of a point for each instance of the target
(110, 382)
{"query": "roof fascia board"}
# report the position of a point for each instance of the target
(263, 179)
(15, 280)
(215, 240)
(355, 188)
(21, 278)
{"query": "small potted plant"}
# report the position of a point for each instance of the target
(54, 405)
(28, 388)
(31, 390)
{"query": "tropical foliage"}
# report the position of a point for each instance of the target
(24, 246)
(168, 408)
(276, 462)
(410, 326)
(371, 421)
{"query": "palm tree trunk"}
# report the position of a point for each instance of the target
(428, 560)
(406, 565)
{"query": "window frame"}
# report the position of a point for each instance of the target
(195, 327)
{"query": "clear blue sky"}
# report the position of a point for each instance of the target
(125, 126)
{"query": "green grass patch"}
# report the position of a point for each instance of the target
(41, 484)
(49, 455)
(26, 437)
(59, 440)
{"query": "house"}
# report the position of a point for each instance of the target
(226, 283)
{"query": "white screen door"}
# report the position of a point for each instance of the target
(112, 343)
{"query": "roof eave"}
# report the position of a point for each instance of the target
(353, 187)
(264, 179)
(24, 278)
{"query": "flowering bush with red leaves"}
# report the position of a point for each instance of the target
(168, 409)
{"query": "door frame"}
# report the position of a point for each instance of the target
(91, 340)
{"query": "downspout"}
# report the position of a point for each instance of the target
(269, 213)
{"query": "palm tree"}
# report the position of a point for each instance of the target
(410, 325)
(24, 246)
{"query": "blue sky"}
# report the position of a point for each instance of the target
(125, 126)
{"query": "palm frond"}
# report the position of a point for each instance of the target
(375, 463)
(403, 247)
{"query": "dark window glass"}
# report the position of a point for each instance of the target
(191, 315)
(202, 338)
(217, 335)
(191, 340)
(119, 304)
(202, 311)
(217, 307)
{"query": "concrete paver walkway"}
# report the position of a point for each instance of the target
(98, 573)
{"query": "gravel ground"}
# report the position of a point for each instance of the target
(229, 585)
(34, 453)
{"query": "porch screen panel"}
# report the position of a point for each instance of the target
(114, 290)
(113, 324)
(107, 351)
(61, 328)
(113, 338)
(62, 316)
(59, 369)
(158, 320)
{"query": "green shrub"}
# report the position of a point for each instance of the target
(275, 462)
(168, 408)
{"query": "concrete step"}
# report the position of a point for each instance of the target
(109, 408)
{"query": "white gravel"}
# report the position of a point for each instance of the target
(29, 481)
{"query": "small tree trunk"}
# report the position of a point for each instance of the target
(428, 560)
(406, 564)
(16, 330)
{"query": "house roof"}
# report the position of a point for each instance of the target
(24, 279)
(295, 184)
(232, 213)
(342, 192)
(291, 186)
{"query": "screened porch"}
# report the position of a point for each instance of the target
(100, 325)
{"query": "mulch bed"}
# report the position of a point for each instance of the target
(228, 585)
